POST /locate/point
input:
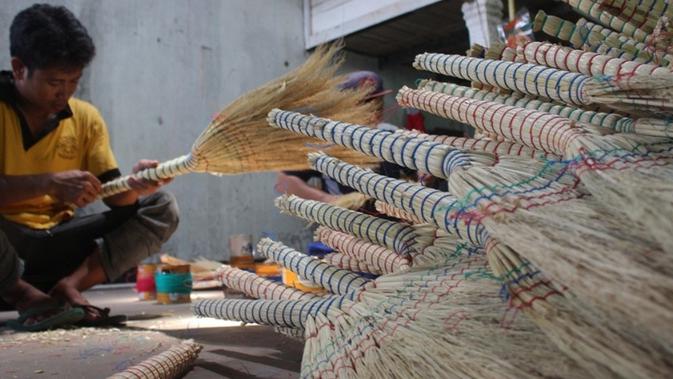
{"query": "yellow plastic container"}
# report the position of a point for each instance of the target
(268, 270)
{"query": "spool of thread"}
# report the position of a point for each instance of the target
(174, 284)
(145, 282)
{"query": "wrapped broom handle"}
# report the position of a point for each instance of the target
(334, 279)
(165, 170)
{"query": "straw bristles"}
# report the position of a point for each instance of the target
(437, 321)
(378, 258)
(170, 364)
(238, 139)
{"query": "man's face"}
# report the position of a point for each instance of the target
(47, 89)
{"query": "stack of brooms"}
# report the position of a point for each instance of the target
(551, 253)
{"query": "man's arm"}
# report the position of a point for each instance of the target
(74, 186)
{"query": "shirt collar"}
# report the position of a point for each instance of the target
(9, 95)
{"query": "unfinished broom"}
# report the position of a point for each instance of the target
(172, 363)
(360, 139)
(378, 258)
(238, 140)
(389, 210)
(449, 308)
(637, 93)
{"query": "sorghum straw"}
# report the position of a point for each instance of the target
(172, 363)
(639, 93)
(238, 140)
(377, 257)
(623, 171)
(449, 309)
(523, 222)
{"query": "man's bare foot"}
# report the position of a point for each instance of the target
(24, 296)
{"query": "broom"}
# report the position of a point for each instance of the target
(347, 262)
(378, 258)
(449, 308)
(259, 288)
(340, 173)
(637, 93)
(351, 136)
(606, 164)
(238, 139)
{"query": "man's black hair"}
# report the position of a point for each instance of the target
(47, 36)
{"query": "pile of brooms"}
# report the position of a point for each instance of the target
(551, 254)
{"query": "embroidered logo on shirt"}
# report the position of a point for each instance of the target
(66, 147)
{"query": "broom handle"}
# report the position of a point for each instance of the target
(259, 288)
(589, 8)
(435, 158)
(335, 280)
(378, 256)
(436, 207)
(530, 79)
(584, 62)
(396, 236)
(283, 313)
(612, 121)
(165, 170)
(538, 130)
(348, 262)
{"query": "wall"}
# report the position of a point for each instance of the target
(163, 69)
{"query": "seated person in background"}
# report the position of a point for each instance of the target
(54, 156)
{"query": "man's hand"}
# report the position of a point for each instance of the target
(145, 187)
(76, 187)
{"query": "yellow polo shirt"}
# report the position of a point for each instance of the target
(78, 141)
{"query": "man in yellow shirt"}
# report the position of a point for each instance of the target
(54, 156)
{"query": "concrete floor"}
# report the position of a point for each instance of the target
(230, 349)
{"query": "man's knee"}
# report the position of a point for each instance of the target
(159, 212)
